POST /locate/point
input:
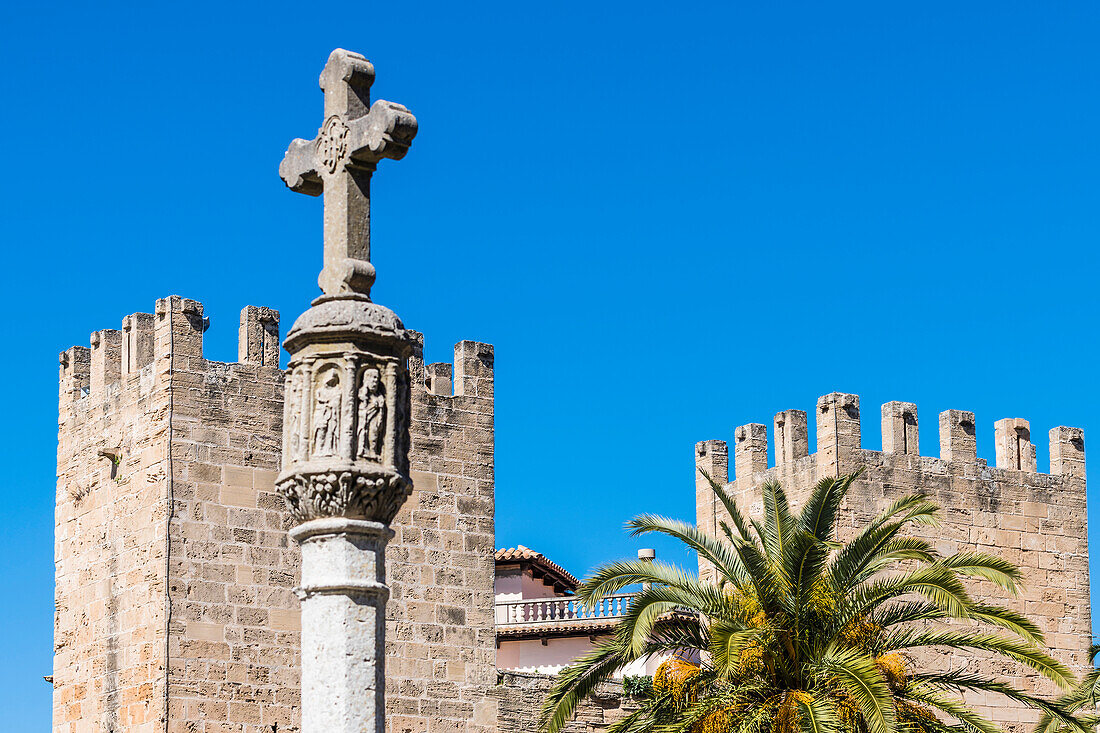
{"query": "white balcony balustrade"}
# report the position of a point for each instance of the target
(559, 610)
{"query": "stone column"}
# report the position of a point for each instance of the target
(344, 598)
(1067, 452)
(711, 456)
(838, 434)
(899, 428)
(345, 475)
(346, 413)
(1015, 451)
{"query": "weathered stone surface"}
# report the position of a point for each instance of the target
(354, 137)
(346, 416)
(232, 649)
(167, 530)
(344, 595)
(520, 698)
(1037, 521)
(258, 336)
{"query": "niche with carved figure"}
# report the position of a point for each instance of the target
(326, 413)
(371, 415)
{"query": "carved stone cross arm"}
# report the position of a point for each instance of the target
(386, 131)
(299, 169)
(354, 137)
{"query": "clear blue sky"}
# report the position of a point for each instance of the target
(670, 220)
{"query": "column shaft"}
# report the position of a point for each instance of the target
(344, 598)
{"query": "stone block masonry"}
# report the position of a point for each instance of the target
(111, 521)
(1035, 520)
(173, 575)
(175, 609)
(174, 604)
(441, 639)
(521, 697)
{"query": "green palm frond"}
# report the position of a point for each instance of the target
(938, 584)
(728, 533)
(957, 681)
(996, 570)
(1017, 649)
(957, 709)
(1085, 694)
(859, 676)
(801, 632)
(707, 546)
(779, 524)
(1006, 618)
(642, 629)
(818, 516)
(637, 629)
(680, 633)
(613, 577)
(819, 716)
(851, 563)
(850, 566)
(767, 584)
(904, 612)
(808, 551)
(728, 641)
(730, 504)
(900, 613)
(863, 557)
(896, 550)
(915, 507)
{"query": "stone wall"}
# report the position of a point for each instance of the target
(1037, 521)
(234, 624)
(175, 574)
(441, 637)
(111, 518)
(222, 635)
(520, 697)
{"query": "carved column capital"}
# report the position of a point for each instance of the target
(327, 490)
(346, 418)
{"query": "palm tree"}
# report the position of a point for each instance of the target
(1084, 695)
(801, 632)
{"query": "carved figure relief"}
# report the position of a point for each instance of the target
(372, 416)
(327, 401)
(294, 416)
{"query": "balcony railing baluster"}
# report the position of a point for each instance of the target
(563, 609)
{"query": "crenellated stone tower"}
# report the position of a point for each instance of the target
(1035, 520)
(175, 608)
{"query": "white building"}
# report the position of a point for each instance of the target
(541, 628)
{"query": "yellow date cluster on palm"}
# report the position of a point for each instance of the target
(675, 677)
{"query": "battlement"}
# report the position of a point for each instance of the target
(1037, 521)
(174, 569)
(839, 438)
(471, 374)
(170, 338)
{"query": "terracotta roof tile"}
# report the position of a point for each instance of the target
(521, 554)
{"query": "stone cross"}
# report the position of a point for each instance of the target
(346, 413)
(339, 162)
